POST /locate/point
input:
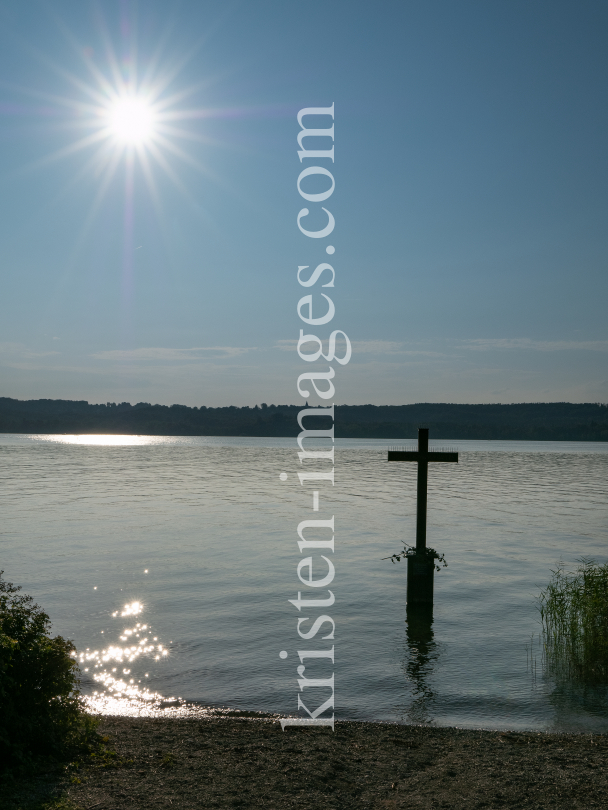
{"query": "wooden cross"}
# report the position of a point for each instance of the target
(422, 456)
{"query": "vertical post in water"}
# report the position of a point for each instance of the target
(420, 579)
(421, 566)
(423, 474)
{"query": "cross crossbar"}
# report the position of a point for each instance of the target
(422, 456)
(415, 455)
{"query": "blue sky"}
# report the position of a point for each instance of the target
(470, 203)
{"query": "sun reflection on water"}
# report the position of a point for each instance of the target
(102, 440)
(123, 694)
(130, 610)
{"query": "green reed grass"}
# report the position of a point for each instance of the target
(574, 614)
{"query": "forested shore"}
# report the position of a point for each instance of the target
(542, 421)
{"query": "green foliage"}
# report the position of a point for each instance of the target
(410, 551)
(168, 760)
(41, 713)
(574, 613)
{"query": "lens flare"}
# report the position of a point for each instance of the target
(131, 120)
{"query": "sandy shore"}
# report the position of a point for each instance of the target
(251, 763)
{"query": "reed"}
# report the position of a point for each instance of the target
(574, 615)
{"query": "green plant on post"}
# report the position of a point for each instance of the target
(41, 712)
(410, 551)
(574, 615)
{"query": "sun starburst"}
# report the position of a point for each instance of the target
(127, 111)
(131, 120)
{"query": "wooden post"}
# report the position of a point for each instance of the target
(421, 494)
(420, 579)
(421, 566)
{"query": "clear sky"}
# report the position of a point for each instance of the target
(470, 202)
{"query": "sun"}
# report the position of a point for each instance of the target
(131, 120)
(127, 110)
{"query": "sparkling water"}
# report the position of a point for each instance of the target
(170, 562)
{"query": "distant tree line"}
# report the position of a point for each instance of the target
(539, 421)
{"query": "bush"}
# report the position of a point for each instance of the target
(41, 712)
(574, 613)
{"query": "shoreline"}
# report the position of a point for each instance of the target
(222, 762)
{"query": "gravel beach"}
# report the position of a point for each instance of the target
(251, 763)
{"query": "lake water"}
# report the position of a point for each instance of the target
(170, 562)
